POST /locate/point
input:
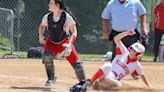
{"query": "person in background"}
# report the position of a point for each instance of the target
(158, 26)
(122, 14)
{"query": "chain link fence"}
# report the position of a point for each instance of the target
(6, 30)
(29, 13)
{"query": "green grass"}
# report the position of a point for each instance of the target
(20, 54)
(147, 56)
(90, 55)
(4, 41)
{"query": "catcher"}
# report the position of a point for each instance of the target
(125, 63)
(62, 34)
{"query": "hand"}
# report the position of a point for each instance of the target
(144, 31)
(151, 87)
(105, 35)
(42, 41)
(131, 32)
(67, 50)
(145, 39)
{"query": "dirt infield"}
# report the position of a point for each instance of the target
(28, 75)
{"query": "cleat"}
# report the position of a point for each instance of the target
(81, 86)
(50, 82)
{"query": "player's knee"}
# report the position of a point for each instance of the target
(78, 66)
(48, 56)
(106, 67)
(135, 76)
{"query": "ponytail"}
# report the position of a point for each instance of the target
(65, 8)
(72, 14)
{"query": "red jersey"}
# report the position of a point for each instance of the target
(159, 12)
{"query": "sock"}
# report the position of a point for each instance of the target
(97, 75)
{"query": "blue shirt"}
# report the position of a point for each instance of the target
(123, 16)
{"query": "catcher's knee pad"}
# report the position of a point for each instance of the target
(48, 56)
(79, 70)
(49, 66)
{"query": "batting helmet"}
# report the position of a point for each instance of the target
(139, 48)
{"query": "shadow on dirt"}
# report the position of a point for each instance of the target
(42, 89)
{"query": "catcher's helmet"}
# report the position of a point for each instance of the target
(139, 48)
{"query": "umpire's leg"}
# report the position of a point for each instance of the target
(157, 39)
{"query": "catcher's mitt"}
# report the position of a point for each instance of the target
(67, 50)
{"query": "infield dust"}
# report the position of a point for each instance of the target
(28, 75)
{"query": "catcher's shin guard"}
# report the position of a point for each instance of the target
(79, 70)
(50, 70)
(49, 66)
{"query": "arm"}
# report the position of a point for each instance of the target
(106, 17)
(68, 45)
(41, 32)
(105, 33)
(73, 30)
(143, 77)
(42, 28)
(142, 15)
(117, 38)
(154, 19)
(143, 24)
(70, 24)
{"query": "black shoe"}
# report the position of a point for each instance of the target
(81, 86)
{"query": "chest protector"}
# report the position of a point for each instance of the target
(55, 29)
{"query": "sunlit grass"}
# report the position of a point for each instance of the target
(147, 56)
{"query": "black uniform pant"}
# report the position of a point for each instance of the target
(157, 39)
